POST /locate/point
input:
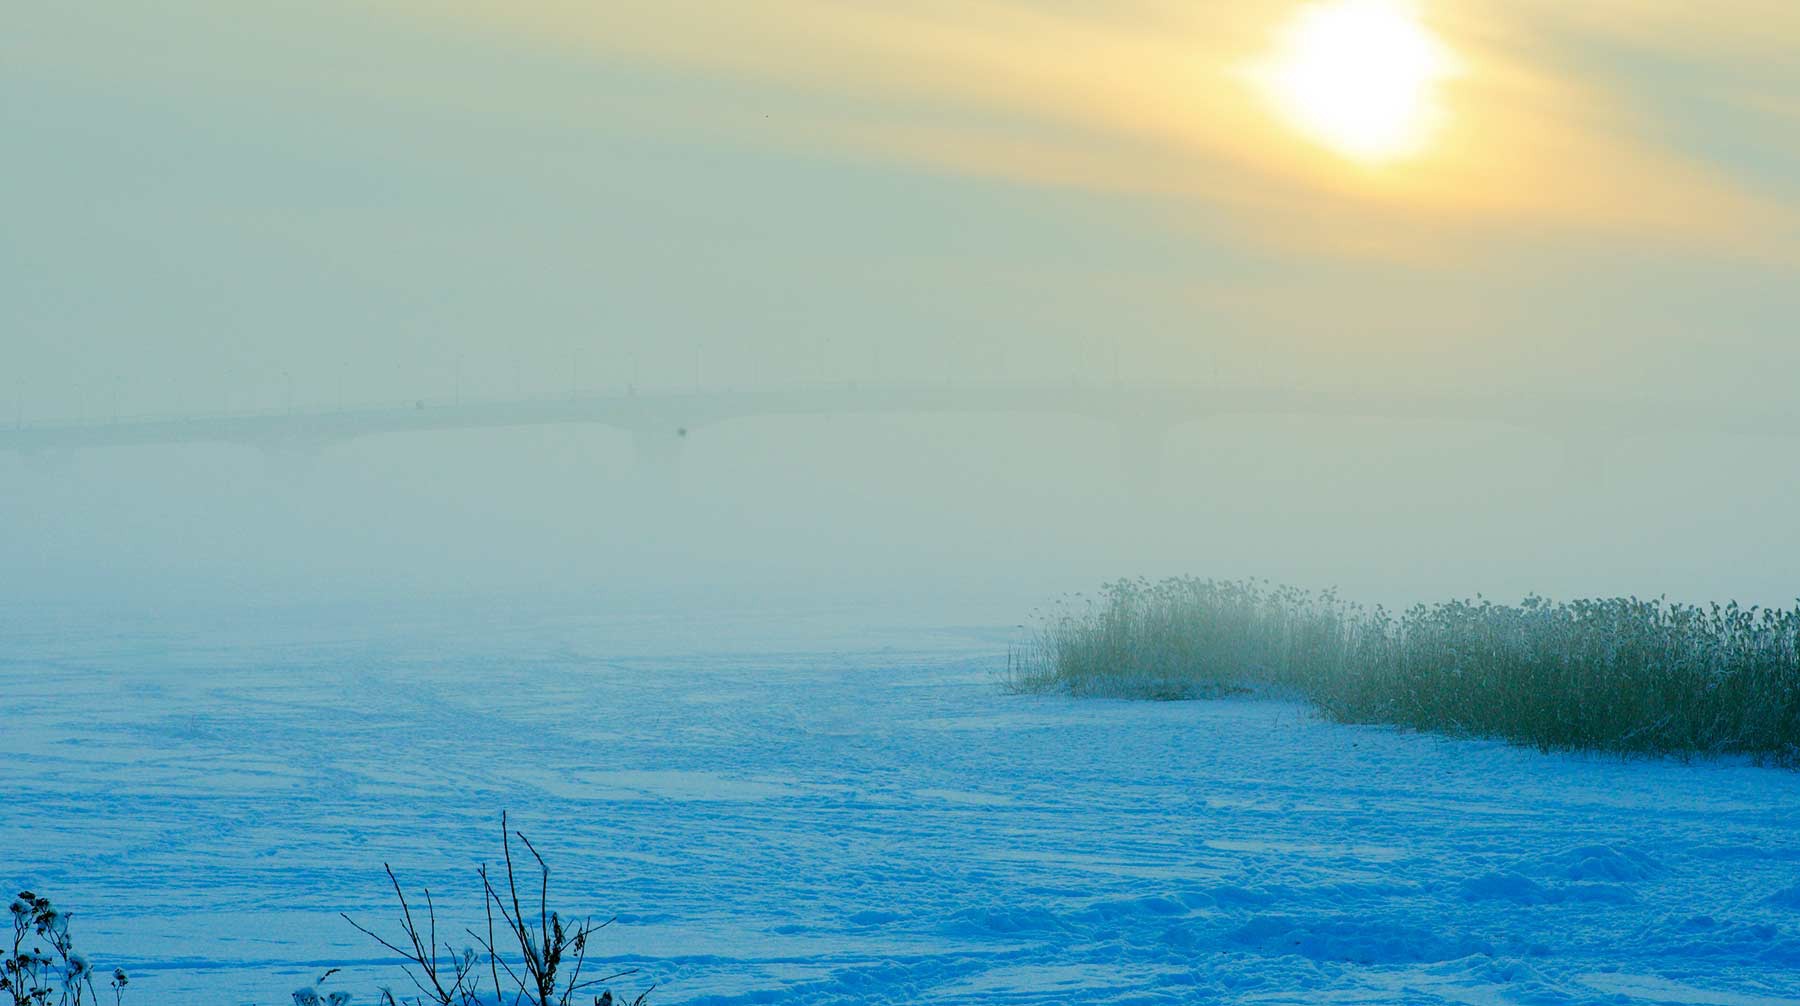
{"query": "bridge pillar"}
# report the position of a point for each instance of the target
(49, 463)
(1584, 459)
(293, 460)
(1141, 449)
(291, 449)
(658, 453)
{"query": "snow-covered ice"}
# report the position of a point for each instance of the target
(851, 816)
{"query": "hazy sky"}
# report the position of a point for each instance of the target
(227, 205)
(208, 195)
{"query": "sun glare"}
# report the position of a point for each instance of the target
(1360, 77)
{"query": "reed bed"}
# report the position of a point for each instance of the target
(1619, 675)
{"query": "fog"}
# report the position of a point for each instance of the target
(310, 209)
(922, 517)
(720, 440)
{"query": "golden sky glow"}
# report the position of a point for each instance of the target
(1268, 111)
(1463, 188)
(1359, 76)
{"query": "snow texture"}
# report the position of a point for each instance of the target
(867, 819)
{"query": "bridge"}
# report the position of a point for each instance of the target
(660, 421)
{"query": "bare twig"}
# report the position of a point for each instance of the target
(538, 979)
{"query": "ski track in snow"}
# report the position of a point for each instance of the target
(861, 825)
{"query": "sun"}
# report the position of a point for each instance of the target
(1360, 77)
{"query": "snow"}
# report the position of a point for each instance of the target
(826, 813)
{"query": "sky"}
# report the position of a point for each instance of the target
(218, 206)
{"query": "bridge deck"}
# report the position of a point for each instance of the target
(1143, 405)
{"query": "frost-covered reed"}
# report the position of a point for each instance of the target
(1620, 674)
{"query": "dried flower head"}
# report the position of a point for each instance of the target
(78, 965)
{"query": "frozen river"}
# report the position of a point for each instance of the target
(833, 813)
